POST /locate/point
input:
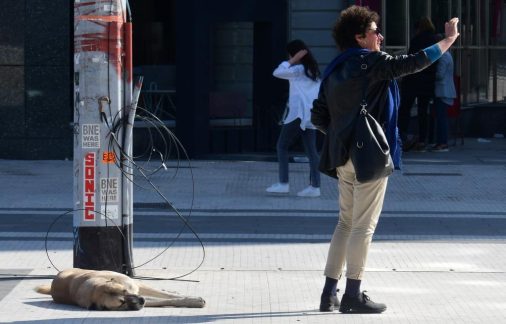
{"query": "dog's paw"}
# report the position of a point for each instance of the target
(198, 302)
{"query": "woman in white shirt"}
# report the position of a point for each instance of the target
(301, 71)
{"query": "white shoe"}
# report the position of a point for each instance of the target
(309, 192)
(279, 188)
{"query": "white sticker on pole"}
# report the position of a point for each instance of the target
(89, 198)
(109, 190)
(91, 136)
(109, 7)
(111, 212)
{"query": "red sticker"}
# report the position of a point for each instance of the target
(108, 157)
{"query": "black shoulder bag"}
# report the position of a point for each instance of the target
(370, 153)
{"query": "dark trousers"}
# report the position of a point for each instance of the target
(407, 101)
(289, 134)
(441, 121)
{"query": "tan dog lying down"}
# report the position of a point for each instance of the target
(108, 290)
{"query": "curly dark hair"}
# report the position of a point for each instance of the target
(308, 61)
(352, 21)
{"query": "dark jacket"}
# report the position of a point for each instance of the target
(338, 102)
(422, 83)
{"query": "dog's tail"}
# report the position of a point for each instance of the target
(43, 289)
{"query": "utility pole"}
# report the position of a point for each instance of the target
(103, 201)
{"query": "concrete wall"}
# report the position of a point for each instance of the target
(312, 21)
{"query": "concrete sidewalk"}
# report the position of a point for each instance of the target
(438, 257)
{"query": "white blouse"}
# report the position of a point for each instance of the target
(302, 92)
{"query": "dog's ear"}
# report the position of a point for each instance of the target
(112, 287)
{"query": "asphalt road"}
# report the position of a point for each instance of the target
(147, 222)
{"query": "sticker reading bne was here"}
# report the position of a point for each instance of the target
(90, 136)
(109, 190)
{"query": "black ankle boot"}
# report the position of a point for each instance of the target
(328, 302)
(360, 304)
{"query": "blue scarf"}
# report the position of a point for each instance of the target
(392, 132)
(343, 57)
(392, 103)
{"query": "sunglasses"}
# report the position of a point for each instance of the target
(377, 31)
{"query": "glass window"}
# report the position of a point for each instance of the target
(417, 10)
(231, 96)
(497, 23)
(154, 32)
(394, 16)
(440, 14)
(154, 55)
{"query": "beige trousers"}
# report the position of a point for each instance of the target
(360, 206)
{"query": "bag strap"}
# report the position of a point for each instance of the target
(363, 103)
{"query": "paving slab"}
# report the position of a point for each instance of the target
(438, 255)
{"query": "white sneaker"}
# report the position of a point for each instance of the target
(309, 192)
(279, 188)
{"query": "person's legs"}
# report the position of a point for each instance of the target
(431, 134)
(441, 122)
(289, 133)
(360, 207)
(367, 204)
(337, 250)
(407, 101)
(329, 299)
(339, 243)
(309, 141)
(423, 107)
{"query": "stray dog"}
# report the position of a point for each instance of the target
(108, 290)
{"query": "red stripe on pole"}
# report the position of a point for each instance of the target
(109, 42)
(100, 18)
(128, 52)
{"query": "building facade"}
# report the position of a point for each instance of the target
(36, 79)
(207, 66)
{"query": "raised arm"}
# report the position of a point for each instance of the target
(287, 71)
(435, 51)
(451, 33)
(392, 67)
(291, 68)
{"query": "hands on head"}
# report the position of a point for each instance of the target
(297, 57)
